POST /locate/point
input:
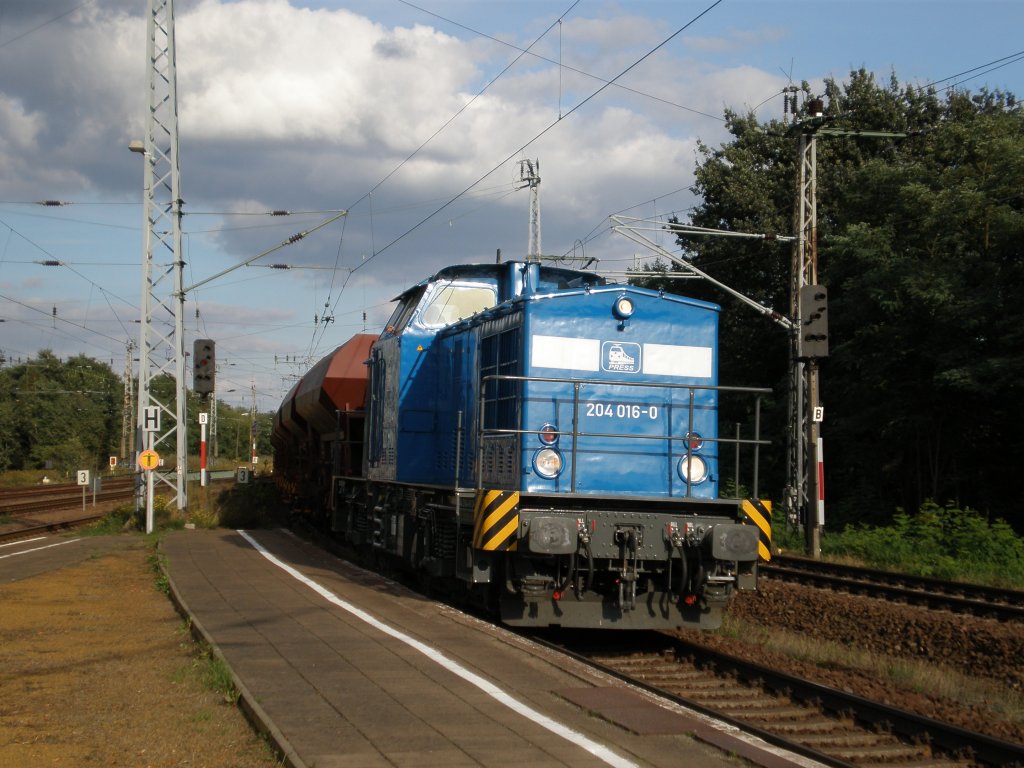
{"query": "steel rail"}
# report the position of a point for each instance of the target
(51, 527)
(955, 742)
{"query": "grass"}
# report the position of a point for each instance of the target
(122, 518)
(256, 505)
(21, 478)
(216, 675)
(211, 672)
(160, 580)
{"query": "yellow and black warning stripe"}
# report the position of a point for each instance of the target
(759, 512)
(496, 520)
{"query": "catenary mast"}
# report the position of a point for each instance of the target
(161, 418)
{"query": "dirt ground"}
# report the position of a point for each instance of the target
(99, 670)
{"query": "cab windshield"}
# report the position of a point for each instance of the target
(451, 303)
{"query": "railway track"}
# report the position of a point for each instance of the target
(53, 503)
(831, 726)
(57, 488)
(21, 502)
(51, 508)
(63, 523)
(47, 509)
(958, 597)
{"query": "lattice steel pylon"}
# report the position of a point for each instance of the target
(805, 497)
(803, 491)
(161, 331)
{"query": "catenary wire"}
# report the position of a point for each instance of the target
(543, 131)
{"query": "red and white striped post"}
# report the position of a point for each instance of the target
(820, 453)
(203, 418)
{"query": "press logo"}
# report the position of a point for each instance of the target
(620, 356)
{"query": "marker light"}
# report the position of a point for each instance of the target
(693, 469)
(695, 440)
(548, 434)
(624, 307)
(547, 462)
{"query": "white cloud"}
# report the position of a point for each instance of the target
(264, 69)
(285, 107)
(19, 129)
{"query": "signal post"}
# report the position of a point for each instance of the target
(203, 418)
(149, 460)
(812, 345)
(204, 370)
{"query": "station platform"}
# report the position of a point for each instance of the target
(343, 668)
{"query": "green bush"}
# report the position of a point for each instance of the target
(940, 542)
(125, 518)
(255, 505)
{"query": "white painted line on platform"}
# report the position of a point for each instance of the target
(39, 549)
(597, 750)
(22, 541)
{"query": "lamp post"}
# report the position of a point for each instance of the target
(143, 393)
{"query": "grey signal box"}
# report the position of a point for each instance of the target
(813, 341)
(203, 366)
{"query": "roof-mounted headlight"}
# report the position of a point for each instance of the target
(624, 308)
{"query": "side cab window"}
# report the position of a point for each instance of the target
(403, 312)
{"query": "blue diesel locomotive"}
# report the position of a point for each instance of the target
(542, 439)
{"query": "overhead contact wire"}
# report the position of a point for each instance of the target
(593, 95)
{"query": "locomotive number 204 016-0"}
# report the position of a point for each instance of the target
(621, 410)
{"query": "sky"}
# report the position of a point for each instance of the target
(414, 118)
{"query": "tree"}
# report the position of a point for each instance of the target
(66, 415)
(61, 415)
(925, 272)
(919, 242)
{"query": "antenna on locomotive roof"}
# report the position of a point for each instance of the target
(497, 257)
(529, 175)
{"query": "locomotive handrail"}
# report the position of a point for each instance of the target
(575, 433)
